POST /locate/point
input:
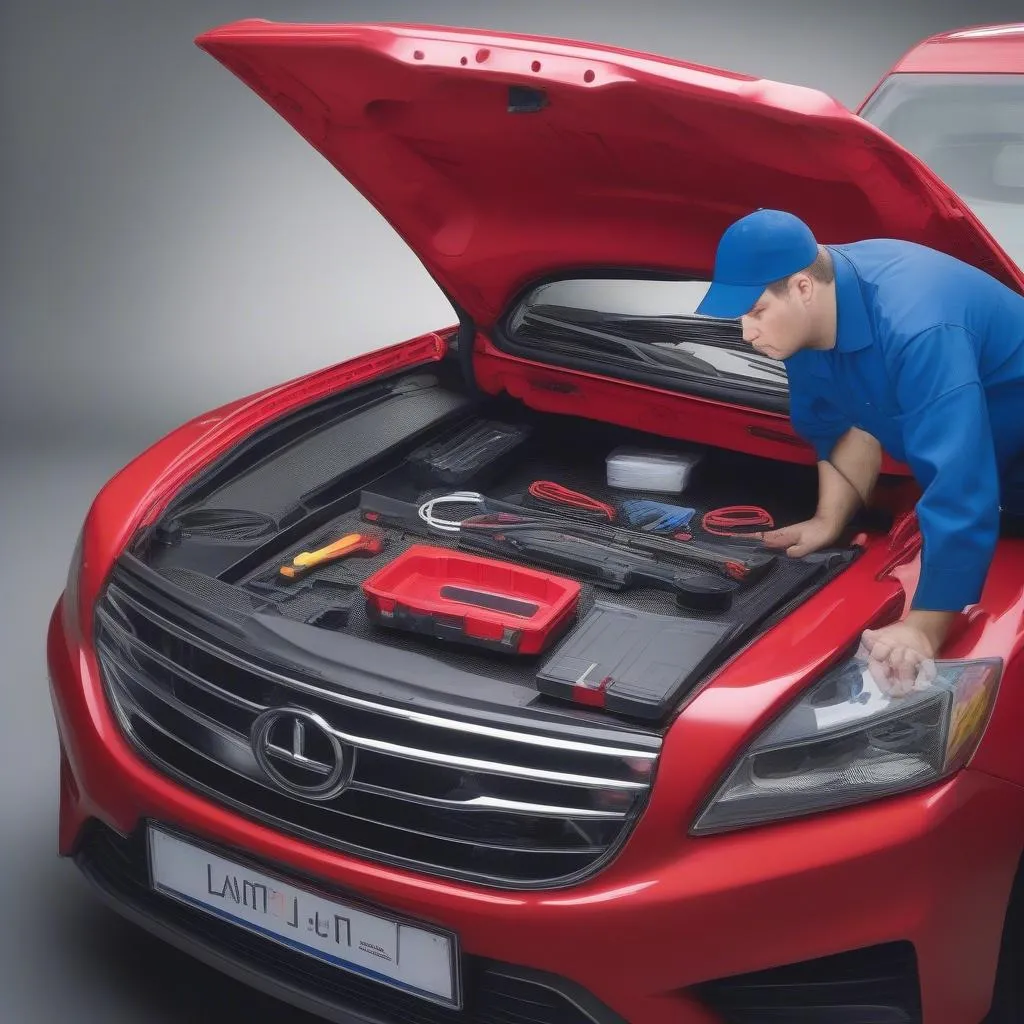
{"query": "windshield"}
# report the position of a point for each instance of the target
(646, 330)
(969, 129)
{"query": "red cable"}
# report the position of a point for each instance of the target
(723, 521)
(546, 490)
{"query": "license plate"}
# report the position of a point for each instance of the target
(396, 953)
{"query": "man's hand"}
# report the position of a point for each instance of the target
(802, 538)
(844, 484)
(896, 656)
(903, 652)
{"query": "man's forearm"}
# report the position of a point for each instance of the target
(846, 481)
(934, 625)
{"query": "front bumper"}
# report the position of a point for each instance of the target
(496, 993)
(909, 894)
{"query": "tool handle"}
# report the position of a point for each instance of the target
(738, 565)
(350, 544)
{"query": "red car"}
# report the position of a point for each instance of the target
(567, 746)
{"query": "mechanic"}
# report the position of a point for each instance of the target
(889, 346)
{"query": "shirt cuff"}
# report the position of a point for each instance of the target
(948, 590)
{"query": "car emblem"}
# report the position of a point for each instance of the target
(299, 753)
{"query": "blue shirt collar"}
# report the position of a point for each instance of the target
(853, 325)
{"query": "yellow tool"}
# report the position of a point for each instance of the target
(364, 543)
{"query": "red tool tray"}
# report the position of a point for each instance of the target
(482, 601)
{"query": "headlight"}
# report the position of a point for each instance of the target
(846, 742)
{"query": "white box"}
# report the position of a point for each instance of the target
(641, 469)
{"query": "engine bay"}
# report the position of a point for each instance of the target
(584, 563)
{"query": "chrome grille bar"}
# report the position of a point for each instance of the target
(490, 803)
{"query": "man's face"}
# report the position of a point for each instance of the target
(778, 324)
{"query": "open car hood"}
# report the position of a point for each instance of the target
(501, 158)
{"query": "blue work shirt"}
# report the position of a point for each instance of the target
(929, 360)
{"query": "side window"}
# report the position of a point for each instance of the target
(645, 330)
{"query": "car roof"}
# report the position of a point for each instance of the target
(977, 49)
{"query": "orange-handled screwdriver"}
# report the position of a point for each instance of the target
(351, 544)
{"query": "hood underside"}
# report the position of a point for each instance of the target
(502, 159)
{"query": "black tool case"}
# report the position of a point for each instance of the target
(631, 662)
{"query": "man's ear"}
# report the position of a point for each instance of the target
(804, 287)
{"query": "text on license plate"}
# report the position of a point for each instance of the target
(406, 957)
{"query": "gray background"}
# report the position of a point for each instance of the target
(169, 243)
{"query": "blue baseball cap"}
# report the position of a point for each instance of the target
(756, 250)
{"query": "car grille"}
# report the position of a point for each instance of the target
(493, 992)
(443, 796)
